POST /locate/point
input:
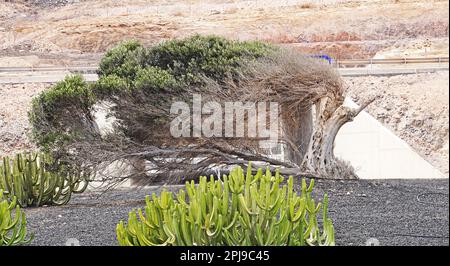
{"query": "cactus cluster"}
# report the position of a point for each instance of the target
(238, 210)
(13, 228)
(29, 179)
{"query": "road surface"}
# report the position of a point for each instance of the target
(55, 75)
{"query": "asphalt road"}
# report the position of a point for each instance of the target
(11, 77)
(389, 212)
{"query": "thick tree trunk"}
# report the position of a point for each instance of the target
(319, 157)
(299, 136)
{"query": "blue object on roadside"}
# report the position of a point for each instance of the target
(324, 57)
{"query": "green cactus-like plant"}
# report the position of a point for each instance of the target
(237, 210)
(13, 228)
(27, 177)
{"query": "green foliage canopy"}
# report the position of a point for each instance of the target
(142, 74)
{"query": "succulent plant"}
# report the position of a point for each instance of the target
(28, 177)
(13, 230)
(237, 210)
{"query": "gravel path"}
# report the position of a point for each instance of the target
(395, 212)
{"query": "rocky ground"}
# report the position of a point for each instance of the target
(414, 107)
(51, 3)
(14, 127)
(395, 212)
(63, 29)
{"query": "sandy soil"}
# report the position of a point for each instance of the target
(14, 126)
(396, 212)
(416, 49)
(330, 26)
(414, 107)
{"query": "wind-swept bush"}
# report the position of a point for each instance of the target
(122, 60)
(71, 97)
(131, 72)
(109, 85)
(237, 210)
(29, 179)
(154, 79)
(138, 86)
(13, 223)
(215, 57)
(186, 60)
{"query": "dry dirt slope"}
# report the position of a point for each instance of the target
(414, 107)
(343, 29)
(14, 127)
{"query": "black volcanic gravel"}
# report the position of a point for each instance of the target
(395, 212)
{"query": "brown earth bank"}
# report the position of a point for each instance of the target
(340, 28)
(14, 127)
(415, 107)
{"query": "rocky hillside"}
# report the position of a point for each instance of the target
(51, 3)
(340, 28)
(414, 107)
